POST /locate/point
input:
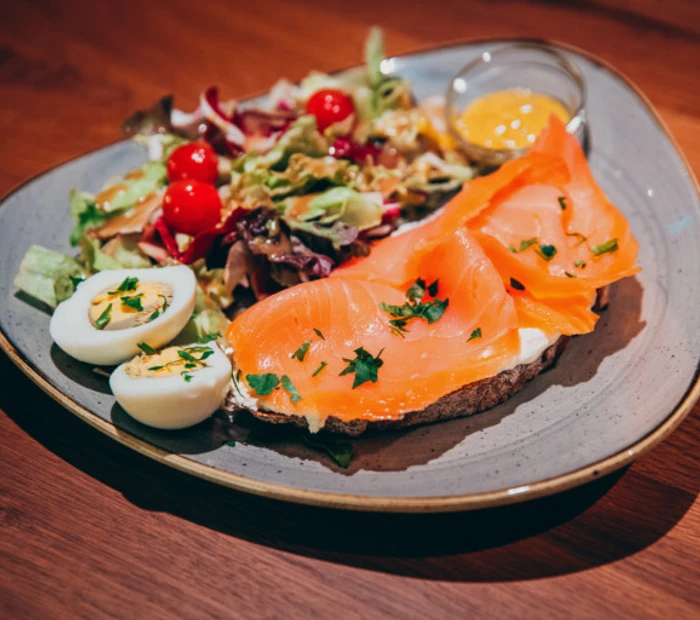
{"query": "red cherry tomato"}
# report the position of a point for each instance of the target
(196, 160)
(190, 206)
(329, 106)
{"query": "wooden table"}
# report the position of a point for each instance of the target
(90, 528)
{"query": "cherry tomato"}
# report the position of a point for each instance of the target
(329, 106)
(190, 206)
(196, 160)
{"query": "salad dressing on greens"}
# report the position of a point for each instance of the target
(509, 119)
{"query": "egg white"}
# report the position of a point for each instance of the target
(72, 331)
(170, 402)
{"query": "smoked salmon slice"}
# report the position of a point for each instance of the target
(475, 338)
(440, 304)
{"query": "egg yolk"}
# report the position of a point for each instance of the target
(168, 362)
(144, 302)
(509, 118)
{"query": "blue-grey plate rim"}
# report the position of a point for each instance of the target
(469, 501)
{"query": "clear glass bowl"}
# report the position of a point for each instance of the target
(530, 66)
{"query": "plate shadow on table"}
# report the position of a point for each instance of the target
(397, 451)
(601, 522)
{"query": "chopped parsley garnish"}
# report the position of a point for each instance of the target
(75, 280)
(208, 338)
(288, 387)
(524, 245)
(263, 384)
(321, 366)
(546, 251)
(104, 318)
(581, 238)
(319, 333)
(417, 291)
(156, 367)
(562, 202)
(340, 451)
(146, 348)
(569, 275)
(580, 264)
(186, 355)
(133, 301)
(300, 353)
(414, 308)
(165, 302)
(190, 365)
(605, 248)
(517, 285)
(154, 315)
(186, 376)
(129, 284)
(475, 334)
(365, 366)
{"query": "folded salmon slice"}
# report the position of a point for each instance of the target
(557, 239)
(475, 338)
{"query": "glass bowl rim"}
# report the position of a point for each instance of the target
(503, 154)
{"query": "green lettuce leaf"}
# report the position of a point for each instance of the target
(94, 259)
(154, 177)
(126, 252)
(84, 213)
(301, 137)
(343, 204)
(48, 276)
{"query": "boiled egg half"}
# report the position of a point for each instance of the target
(113, 311)
(175, 388)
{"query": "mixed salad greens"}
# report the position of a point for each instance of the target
(254, 199)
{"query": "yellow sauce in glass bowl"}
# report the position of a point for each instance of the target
(508, 119)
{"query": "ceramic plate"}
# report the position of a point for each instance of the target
(614, 394)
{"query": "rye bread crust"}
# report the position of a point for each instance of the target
(465, 401)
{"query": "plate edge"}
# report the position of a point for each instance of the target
(471, 501)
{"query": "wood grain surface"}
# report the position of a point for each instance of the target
(91, 529)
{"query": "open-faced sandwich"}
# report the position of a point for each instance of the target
(445, 318)
(357, 301)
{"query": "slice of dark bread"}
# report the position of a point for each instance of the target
(465, 401)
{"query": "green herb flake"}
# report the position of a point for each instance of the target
(133, 301)
(365, 366)
(190, 365)
(433, 288)
(414, 308)
(263, 384)
(475, 334)
(581, 238)
(186, 356)
(562, 202)
(517, 285)
(300, 353)
(165, 302)
(288, 387)
(146, 348)
(569, 275)
(231, 443)
(186, 376)
(319, 333)
(580, 264)
(340, 451)
(208, 338)
(605, 248)
(129, 284)
(154, 315)
(104, 318)
(417, 291)
(524, 245)
(546, 251)
(321, 366)
(156, 367)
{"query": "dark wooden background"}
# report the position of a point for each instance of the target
(91, 529)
